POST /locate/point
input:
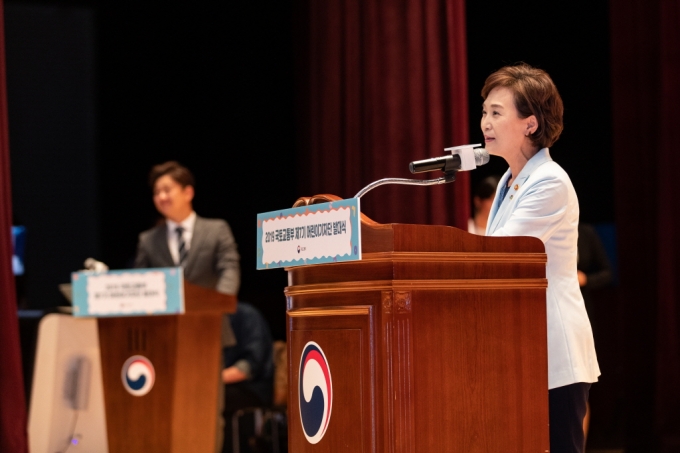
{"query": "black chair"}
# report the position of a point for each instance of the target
(266, 427)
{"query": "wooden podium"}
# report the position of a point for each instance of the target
(180, 412)
(435, 342)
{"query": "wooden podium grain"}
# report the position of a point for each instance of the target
(436, 341)
(180, 412)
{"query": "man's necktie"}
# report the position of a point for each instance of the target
(181, 246)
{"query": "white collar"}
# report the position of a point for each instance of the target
(186, 224)
(500, 205)
(538, 159)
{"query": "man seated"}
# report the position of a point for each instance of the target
(249, 368)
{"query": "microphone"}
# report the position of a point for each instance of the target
(92, 264)
(463, 158)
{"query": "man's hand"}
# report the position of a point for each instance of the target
(232, 375)
(582, 278)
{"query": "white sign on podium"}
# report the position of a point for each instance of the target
(132, 292)
(314, 234)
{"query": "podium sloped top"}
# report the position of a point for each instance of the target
(200, 299)
(395, 237)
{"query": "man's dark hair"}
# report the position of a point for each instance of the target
(175, 170)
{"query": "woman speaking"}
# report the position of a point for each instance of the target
(521, 119)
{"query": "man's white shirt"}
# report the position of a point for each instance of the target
(188, 226)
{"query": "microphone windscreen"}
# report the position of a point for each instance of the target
(481, 156)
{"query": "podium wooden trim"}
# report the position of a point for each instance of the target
(436, 341)
(180, 413)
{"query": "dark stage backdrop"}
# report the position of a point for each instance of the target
(51, 83)
(380, 84)
(101, 91)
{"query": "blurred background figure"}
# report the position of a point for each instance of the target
(248, 372)
(594, 272)
(482, 198)
(594, 269)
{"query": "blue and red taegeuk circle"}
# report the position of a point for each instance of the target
(315, 392)
(138, 375)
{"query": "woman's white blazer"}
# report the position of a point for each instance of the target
(542, 203)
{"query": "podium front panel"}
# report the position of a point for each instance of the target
(330, 355)
(179, 413)
(482, 374)
(139, 422)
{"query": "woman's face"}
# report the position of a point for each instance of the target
(505, 133)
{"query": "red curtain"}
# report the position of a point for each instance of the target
(381, 83)
(12, 403)
(668, 319)
(645, 93)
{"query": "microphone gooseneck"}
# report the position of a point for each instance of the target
(462, 158)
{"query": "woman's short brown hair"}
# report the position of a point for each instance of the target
(175, 170)
(535, 94)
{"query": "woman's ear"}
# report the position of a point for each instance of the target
(531, 125)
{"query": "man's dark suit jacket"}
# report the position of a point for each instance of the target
(212, 261)
(254, 346)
